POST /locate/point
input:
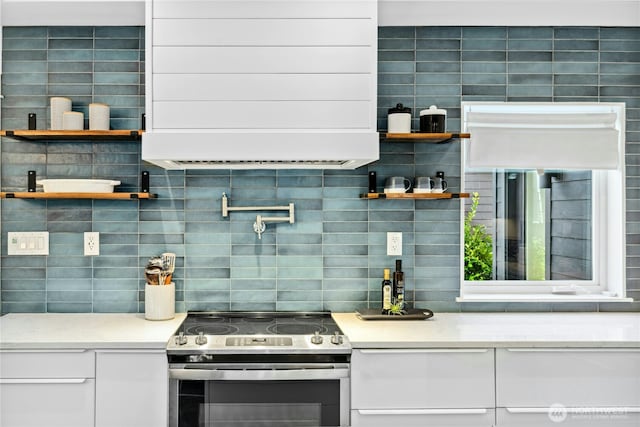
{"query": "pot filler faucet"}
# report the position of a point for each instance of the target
(261, 221)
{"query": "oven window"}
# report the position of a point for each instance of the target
(302, 403)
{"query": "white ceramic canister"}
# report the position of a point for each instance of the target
(59, 105)
(72, 120)
(433, 120)
(399, 119)
(98, 116)
(159, 301)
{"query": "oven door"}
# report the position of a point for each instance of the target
(251, 395)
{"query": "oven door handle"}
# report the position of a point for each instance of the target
(328, 373)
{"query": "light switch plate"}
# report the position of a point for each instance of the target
(28, 243)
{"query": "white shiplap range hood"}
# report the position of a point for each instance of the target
(239, 84)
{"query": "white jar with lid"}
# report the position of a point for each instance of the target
(433, 120)
(399, 119)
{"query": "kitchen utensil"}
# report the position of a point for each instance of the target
(433, 120)
(168, 265)
(399, 119)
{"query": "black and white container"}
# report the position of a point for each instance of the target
(399, 119)
(433, 120)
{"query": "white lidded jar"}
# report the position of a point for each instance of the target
(399, 119)
(433, 120)
(98, 116)
(59, 105)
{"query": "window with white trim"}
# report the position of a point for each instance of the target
(546, 220)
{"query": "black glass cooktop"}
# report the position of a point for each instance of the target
(242, 323)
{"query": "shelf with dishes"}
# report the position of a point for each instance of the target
(79, 189)
(415, 196)
(73, 135)
(433, 138)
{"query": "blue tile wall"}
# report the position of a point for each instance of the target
(333, 256)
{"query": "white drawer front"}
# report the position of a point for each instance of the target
(568, 417)
(570, 377)
(422, 418)
(419, 379)
(50, 403)
(47, 364)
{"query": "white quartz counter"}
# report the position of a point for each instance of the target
(495, 330)
(85, 330)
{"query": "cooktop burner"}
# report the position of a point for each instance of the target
(239, 323)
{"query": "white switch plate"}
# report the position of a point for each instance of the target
(28, 243)
(394, 243)
(91, 243)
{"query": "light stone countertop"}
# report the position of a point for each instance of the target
(85, 330)
(446, 330)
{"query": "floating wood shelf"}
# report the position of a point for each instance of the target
(72, 135)
(414, 196)
(433, 138)
(107, 196)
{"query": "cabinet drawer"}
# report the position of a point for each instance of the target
(425, 378)
(47, 402)
(47, 364)
(568, 417)
(421, 418)
(569, 377)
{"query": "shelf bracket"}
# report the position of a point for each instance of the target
(261, 221)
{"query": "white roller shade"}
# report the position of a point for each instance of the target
(544, 136)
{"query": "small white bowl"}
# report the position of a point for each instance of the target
(77, 185)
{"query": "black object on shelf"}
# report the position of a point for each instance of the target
(32, 121)
(31, 181)
(144, 182)
(372, 182)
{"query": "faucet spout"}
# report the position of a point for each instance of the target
(259, 226)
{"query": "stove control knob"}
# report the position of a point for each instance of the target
(316, 338)
(181, 339)
(201, 339)
(336, 338)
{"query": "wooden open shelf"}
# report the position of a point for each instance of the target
(107, 196)
(72, 135)
(433, 138)
(415, 196)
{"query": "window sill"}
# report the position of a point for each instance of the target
(541, 298)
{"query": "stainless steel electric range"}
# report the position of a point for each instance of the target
(259, 369)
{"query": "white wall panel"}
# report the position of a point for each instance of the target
(263, 32)
(261, 87)
(262, 60)
(262, 115)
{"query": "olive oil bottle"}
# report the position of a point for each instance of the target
(398, 285)
(387, 291)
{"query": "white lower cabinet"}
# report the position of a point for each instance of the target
(131, 388)
(47, 388)
(417, 387)
(574, 387)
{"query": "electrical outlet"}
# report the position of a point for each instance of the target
(394, 244)
(91, 243)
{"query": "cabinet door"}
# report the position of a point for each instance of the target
(131, 389)
(568, 417)
(424, 378)
(568, 377)
(422, 418)
(50, 402)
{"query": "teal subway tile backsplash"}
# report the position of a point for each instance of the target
(333, 256)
